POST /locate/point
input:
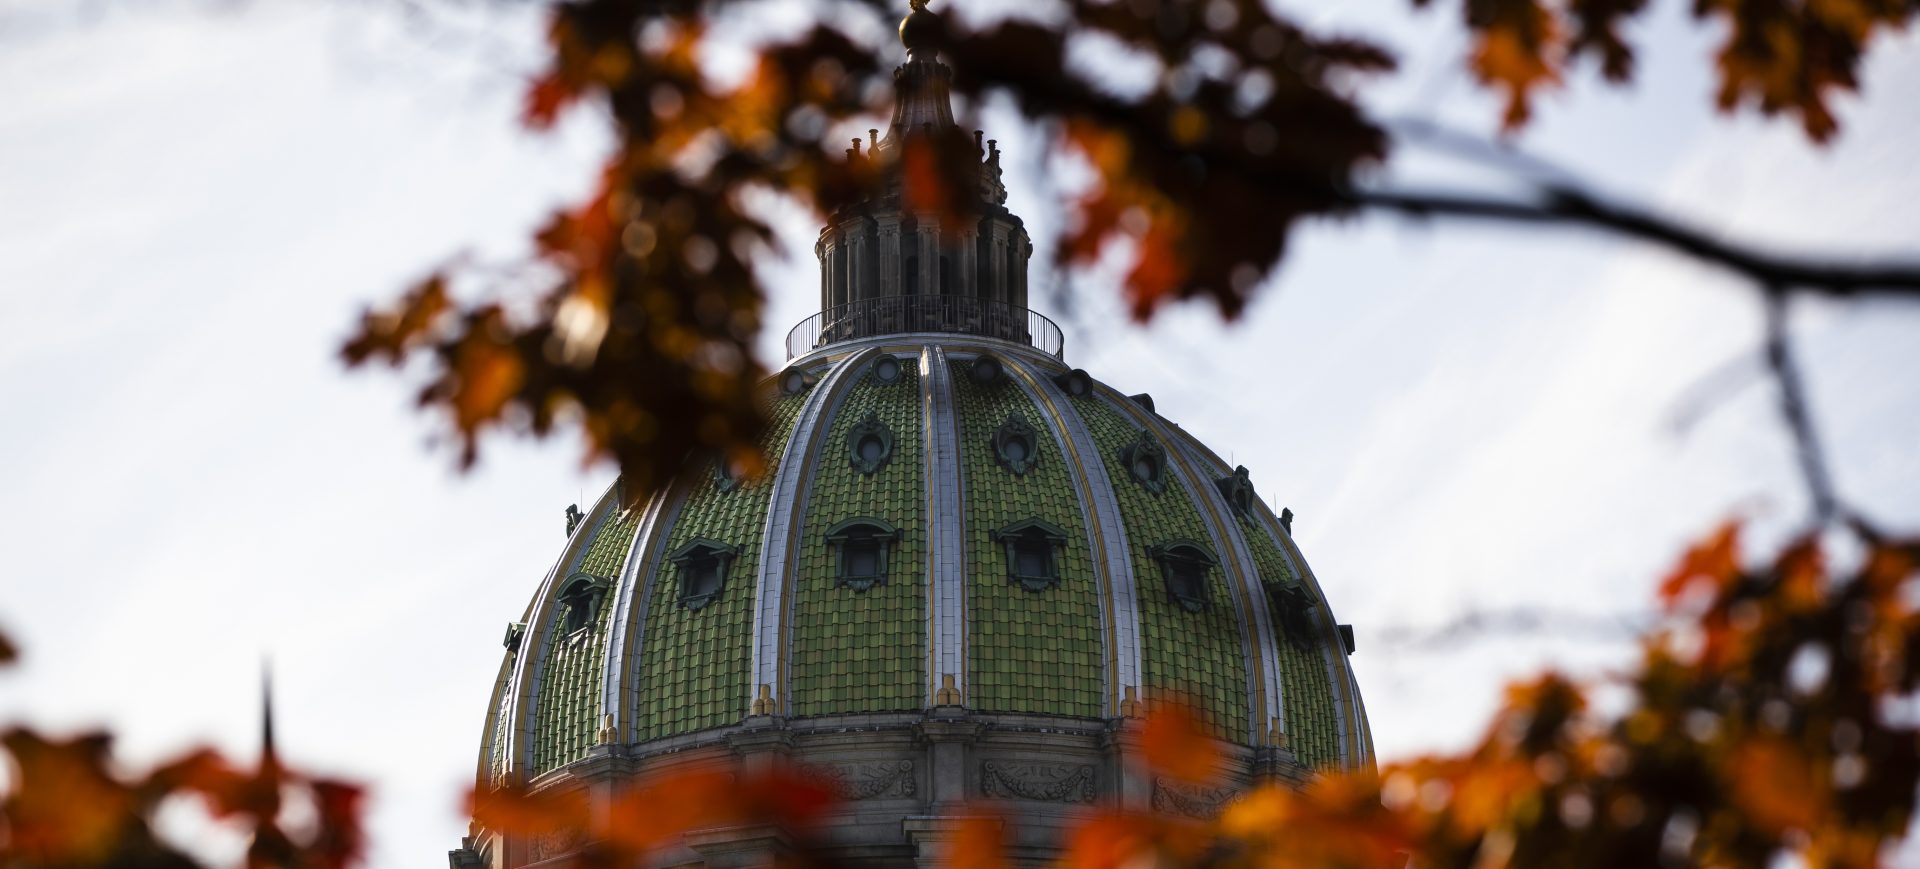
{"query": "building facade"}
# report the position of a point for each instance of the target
(967, 572)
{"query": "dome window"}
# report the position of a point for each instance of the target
(1186, 567)
(1032, 548)
(581, 596)
(703, 566)
(1238, 490)
(1146, 462)
(870, 444)
(860, 548)
(794, 381)
(1016, 445)
(1295, 605)
(1075, 383)
(987, 370)
(887, 370)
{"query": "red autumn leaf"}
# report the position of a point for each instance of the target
(64, 809)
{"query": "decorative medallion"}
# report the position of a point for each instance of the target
(724, 478)
(1194, 801)
(1032, 547)
(1185, 566)
(870, 444)
(1047, 782)
(886, 369)
(1016, 445)
(1146, 461)
(891, 779)
(702, 565)
(860, 548)
(1238, 490)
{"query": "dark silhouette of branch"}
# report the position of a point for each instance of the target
(1478, 624)
(1793, 408)
(1565, 206)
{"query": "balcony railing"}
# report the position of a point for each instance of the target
(896, 314)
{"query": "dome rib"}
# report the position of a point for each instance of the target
(773, 575)
(1256, 626)
(634, 595)
(1351, 715)
(517, 750)
(1113, 562)
(946, 532)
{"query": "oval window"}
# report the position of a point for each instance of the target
(1016, 450)
(872, 450)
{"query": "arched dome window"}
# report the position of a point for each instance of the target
(1295, 605)
(1186, 567)
(870, 444)
(1032, 548)
(860, 547)
(1146, 462)
(702, 566)
(581, 596)
(1016, 445)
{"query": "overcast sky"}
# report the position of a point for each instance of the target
(195, 204)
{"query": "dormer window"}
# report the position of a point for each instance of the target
(581, 597)
(1295, 607)
(1146, 462)
(860, 547)
(1032, 550)
(1186, 567)
(702, 566)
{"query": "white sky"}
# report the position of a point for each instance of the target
(194, 205)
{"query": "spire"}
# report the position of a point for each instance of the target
(921, 84)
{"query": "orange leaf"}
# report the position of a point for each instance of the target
(1716, 559)
(517, 810)
(980, 843)
(1774, 784)
(1175, 744)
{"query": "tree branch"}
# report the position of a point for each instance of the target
(1561, 205)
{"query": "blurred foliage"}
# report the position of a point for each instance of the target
(1775, 714)
(641, 333)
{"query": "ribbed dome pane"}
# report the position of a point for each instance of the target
(1027, 651)
(864, 651)
(1196, 656)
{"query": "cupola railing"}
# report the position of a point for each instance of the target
(890, 315)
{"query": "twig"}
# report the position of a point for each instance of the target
(1793, 408)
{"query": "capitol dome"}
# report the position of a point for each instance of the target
(966, 568)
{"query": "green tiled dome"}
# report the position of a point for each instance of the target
(616, 648)
(965, 569)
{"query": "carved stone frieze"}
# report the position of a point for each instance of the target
(891, 779)
(1194, 801)
(1048, 782)
(553, 843)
